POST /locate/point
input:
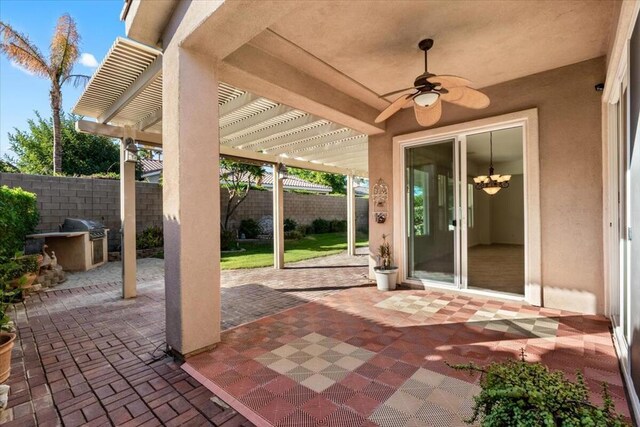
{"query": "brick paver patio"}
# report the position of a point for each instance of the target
(85, 356)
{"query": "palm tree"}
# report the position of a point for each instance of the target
(63, 54)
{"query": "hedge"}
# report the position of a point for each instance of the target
(19, 216)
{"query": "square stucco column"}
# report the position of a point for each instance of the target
(128, 218)
(278, 219)
(351, 216)
(191, 201)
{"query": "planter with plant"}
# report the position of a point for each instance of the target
(386, 272)
(519, 393)
(7, 337)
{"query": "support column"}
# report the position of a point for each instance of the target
(278, 219)
(191, 201)
(351, 216)
(127, 218)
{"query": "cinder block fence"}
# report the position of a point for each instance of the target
(99, 199)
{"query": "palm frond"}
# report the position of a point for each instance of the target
(64, 46)
(20, 50)
(77, 79)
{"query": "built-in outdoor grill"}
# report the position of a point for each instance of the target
(80, 244)
(96, 229)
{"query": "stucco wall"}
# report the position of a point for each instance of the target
(570, 174)
(99, 199)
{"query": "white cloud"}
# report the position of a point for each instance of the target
(21, 68)
(88, 60)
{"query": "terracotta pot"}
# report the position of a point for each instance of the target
(6, 345)
(30, 278)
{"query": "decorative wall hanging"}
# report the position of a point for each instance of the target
(380, 197)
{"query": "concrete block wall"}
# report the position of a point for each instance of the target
(99, 199)
(96, 199)
(303, 208)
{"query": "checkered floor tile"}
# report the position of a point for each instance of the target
(495, 318)
(315, 361)
(427, 398)
(361, 357)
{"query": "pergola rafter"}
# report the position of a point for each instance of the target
(127, 91)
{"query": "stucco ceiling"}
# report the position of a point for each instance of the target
(370, 49)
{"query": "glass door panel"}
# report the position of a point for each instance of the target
(430, 199)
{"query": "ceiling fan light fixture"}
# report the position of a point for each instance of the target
(425, 99)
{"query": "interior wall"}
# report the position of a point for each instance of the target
(507, 213)
(570, 174)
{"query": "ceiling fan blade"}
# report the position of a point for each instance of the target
(466, 97)
(427, 116)
(398, 91)
(394, 107)
(449, 81)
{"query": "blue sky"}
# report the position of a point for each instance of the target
(98, 23)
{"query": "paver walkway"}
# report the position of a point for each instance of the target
(85, 356)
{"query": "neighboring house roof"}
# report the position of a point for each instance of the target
(295, 183)
(151, 167)
(154, 167)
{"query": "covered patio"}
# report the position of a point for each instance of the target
(346, 356)
(298, 84)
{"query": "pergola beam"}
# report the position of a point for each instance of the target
(150, 120)
(154, 140)
(141, 82)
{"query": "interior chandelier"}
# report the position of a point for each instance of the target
(493, 182)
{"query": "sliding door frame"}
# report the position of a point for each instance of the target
(528, 120)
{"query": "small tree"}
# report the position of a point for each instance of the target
(58, 67)
(237, 178)
(85, 154)
(337, 182)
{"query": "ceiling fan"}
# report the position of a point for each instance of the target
(429, 90)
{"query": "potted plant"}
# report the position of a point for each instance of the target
(386, 272)
(7, 339)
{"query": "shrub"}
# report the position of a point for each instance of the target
(228, 240)
(516, 392)
(250, 228)
(304, 229)
(338, 226)
(321, 226)
(293, 235)
(290, 224)
(18, 217)
(151, 237)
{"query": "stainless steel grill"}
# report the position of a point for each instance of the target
(97, 230)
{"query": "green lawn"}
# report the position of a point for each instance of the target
(260, 254)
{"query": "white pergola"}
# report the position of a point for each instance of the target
(125, 96)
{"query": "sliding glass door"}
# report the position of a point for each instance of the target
(457, 234)
(430, 207)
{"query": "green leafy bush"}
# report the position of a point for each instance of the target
(19, 216)
(321, 226)
(290, 224)
(518, 393)
(250, 228)
(304, 229)
(228, 240)
(151, 237)
(293, 235)
(338, 226)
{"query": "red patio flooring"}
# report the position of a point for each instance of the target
(360, 357)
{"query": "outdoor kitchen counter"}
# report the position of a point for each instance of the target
(74, 250)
